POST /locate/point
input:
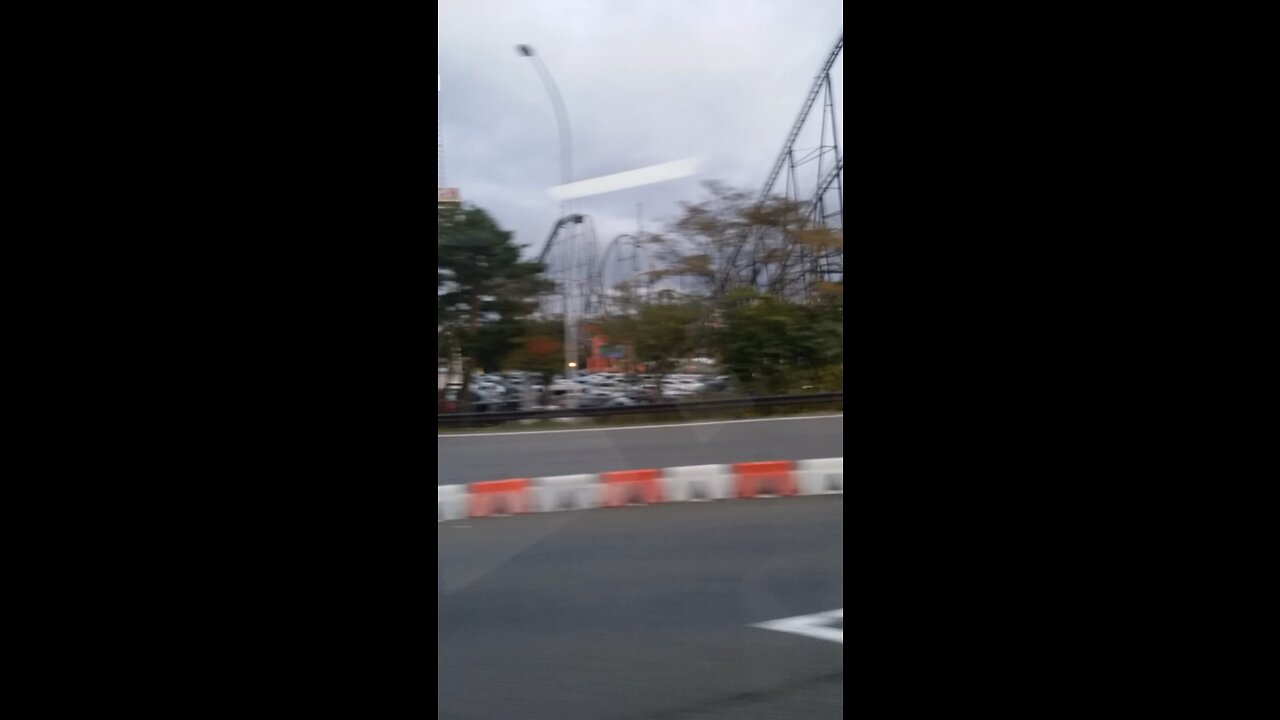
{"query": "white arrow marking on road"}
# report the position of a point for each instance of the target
(816, 625)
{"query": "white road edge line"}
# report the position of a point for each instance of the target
(638, 427)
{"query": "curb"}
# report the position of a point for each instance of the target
(687, 483)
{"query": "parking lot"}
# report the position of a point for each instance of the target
(526, 391)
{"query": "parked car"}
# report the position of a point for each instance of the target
(480, 402)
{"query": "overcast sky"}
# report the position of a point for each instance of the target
(644, 82)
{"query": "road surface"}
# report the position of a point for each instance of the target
(495, 456)
(642, 612)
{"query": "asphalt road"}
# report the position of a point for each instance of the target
(472, 458)
(641, 612)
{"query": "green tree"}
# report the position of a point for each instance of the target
(660, 333)
(772, 346)
(483, 288)
(731, 226)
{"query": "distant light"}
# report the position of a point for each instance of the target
(573, 364)
(624, 180)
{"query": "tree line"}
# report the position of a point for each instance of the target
(785, 334)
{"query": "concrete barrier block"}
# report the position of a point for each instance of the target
(821, 477)
(772, 478)
(500, 497)
(451, 502)
(568, 492)
(628, 487)
(698, 482)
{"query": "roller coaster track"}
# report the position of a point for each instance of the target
(818, 81)
(753, 238)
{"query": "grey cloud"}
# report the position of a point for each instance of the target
(643, 82)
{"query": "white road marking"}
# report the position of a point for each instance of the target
(815, 626)
(638, 427)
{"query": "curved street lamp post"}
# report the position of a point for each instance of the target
(566, 175)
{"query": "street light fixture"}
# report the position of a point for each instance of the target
(566, 175)
(562, 116)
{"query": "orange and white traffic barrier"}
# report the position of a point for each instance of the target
(760, 478)
(500, 497)
(698, 482)
(451, 502)
(621, 487)
(821, 477)
(567, 492)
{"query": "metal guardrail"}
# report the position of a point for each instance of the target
(770, 401)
